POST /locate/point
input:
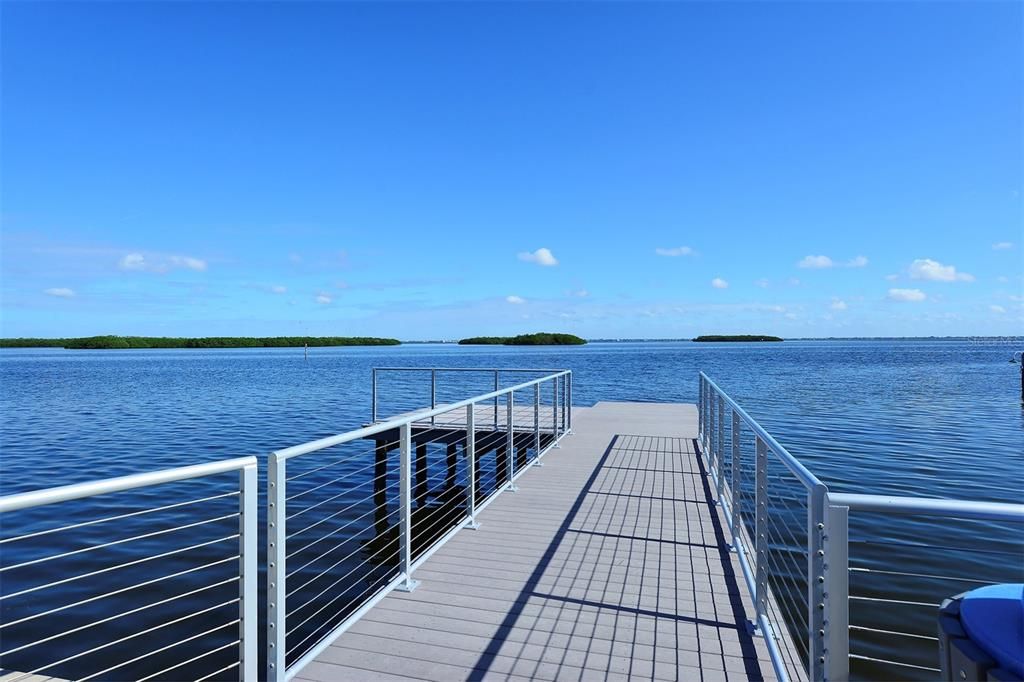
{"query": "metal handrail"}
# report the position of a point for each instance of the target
(963, 509)
(828, 546)
(544, 437)
(246, 558)
(496, 371)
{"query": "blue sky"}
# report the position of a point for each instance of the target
(436, 170)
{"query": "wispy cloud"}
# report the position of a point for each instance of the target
(892, 278)
(997, 309)
(323, 299)
(763, 283)
(824, 262)
(815, 262)
(278, 289)
(579, 293)
(928, 269)
(60, 292)
(907, 295)
(719, 283)
(516, 300)
(1002, 246)
(674, 251)
(837, 304)
(541, 256)
(161, 263)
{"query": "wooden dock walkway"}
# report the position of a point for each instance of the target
(611, 562)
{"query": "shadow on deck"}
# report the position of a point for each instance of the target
(611, 562)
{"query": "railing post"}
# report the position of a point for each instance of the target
(736, 485)
(700, 409)
(471, 463)
(496, 385)
(837, 593)
(761, 530)
(510, 441)
(709, 425)
(721, 446)
(433, 393)
(536, 423)
(248, 574)
(568, 402)
(276, 568)
(816, 581)
(373, 397)
(565, 394)
(405, 504)
(554, 412)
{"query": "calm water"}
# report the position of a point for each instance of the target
(931, 418)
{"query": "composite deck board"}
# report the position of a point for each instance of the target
(611, 562)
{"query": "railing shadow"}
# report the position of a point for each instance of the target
(717, 550)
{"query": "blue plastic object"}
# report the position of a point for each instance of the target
(993, 618)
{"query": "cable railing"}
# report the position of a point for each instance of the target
(348, 522)
(146, 577)
(886, 590)
(832, 595)
(396, 390)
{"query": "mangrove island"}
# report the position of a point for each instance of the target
(539, 339)
(128, 342)
(736, 337)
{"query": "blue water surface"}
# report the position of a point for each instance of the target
(937, 418)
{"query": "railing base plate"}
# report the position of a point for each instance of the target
(407, 585)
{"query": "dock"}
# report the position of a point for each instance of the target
(611, 561)
(506, 535)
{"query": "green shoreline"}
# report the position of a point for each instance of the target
(743, 338)
(132, 342)
(539, 339)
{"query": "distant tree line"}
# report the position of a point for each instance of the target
(539, 339)
(737, 337)
(122, 342)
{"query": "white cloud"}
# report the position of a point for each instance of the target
(541, 256)
(763, 283)
(815, 262)
(837, 304)
(1003, 279)
(1002, 246)
(926, 268)
(892, 278)
(674, 251)
(59, 292)
(160, 263)
(580, 293)
(323, 299)
(823, 262)
(998, 309)
(187, 262)
(133, 261)
(516, 300)
(719, 283)
(910, 295)
(294, 258)
(794, 282)
(278, 289)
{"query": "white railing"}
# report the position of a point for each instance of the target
(793, 541)
(412, 389)
(885, 591)
(346, 526)
(190, 588)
